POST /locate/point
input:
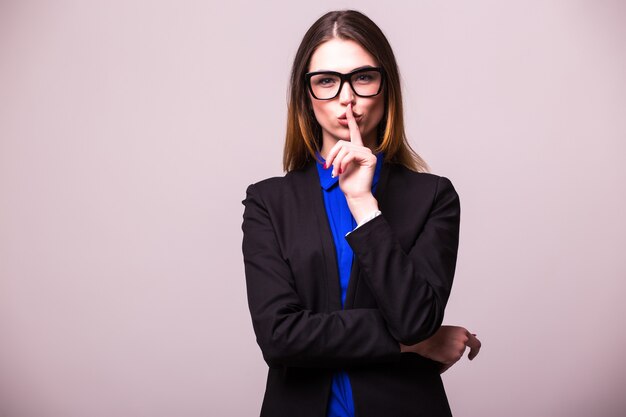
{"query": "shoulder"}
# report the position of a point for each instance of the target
(275, 188)
(266, 185)
(422, 183)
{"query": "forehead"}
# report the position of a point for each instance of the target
(341, 56)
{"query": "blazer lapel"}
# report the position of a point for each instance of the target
(316, 199)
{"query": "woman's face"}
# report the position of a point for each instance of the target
(345, 56)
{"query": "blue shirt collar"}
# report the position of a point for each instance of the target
(326, 181)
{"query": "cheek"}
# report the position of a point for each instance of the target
(376, 112)
(321, 112)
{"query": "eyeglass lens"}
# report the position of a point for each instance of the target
(326, 85)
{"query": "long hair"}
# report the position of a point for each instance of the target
(304, 134)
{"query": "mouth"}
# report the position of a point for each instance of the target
(344, 117)
(344, 121)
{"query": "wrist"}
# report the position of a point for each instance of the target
(418, 348)
(362, 206)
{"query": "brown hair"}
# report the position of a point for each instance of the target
(304, 135)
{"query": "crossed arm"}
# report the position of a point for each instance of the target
(289, 334)
(411, 288)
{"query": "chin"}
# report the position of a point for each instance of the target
(343, 137)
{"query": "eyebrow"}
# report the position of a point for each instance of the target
(355, 69)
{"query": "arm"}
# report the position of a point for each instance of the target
(286, 332)
(412, 288)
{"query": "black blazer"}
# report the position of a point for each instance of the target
(400, 282)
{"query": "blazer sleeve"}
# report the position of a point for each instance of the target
(412, 288)
(287, 333)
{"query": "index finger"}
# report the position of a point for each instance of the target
(355, 133)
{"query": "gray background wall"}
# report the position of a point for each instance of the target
(129, 131)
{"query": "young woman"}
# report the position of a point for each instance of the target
(350, 256)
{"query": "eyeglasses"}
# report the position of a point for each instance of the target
(326, 85)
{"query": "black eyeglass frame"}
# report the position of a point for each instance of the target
(344, 78)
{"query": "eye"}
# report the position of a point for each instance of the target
(324, 81)
(365, 77)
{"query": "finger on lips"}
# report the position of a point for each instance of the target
(338, 152)
(355, 134)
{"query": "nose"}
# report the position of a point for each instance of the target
(346, 95)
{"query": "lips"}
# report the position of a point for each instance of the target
(343, 116)
(344, 122)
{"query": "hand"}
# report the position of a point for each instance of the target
(355, 164)
(446, 346)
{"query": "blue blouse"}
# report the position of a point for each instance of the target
(341, 222)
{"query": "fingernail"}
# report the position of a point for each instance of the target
(340, 171)
(325, 167)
